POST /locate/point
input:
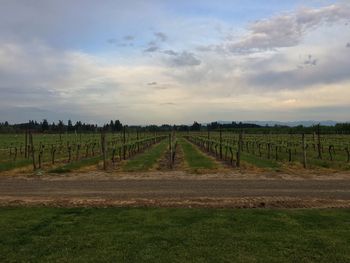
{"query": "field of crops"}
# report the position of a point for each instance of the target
(55, 152)
(49, 230)
(64, 152)
(309, 150)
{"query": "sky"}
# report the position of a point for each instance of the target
(155, 62)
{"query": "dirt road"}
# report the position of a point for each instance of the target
(188, 192)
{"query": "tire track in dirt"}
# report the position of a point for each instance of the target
(176, 192)
(261, 202)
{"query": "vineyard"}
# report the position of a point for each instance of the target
(236, 150)
(152, 189)
(309, 150)
(63, 152)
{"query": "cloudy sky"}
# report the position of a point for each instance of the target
(174, 61)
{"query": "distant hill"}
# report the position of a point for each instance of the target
(294, 123)
(285, 123)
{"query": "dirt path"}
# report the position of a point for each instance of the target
(164, 190)
(179, 162)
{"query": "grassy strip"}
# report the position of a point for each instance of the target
(314, 163)
(14, 164)
(75, 165)
(259, 161)
(146, 160)
(194, 158)
(175, 235)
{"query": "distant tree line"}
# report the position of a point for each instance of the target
(116, 126)
(59, 127)
(339, 128)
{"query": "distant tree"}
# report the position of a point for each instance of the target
(53, 127)
(70, 127)
(213, 125)
(196, 126)
(60, 126)
(78, 126)
(118, 126)
(44, 126)
(111, 126)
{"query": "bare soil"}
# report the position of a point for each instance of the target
(179, 161)
(178, 189)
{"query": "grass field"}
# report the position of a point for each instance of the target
(173, 235)
(195, 159)
(146, 160)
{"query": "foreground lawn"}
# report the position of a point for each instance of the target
(146, 160)
(173, 235)
(194, 158)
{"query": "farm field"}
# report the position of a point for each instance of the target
(276, 150)
(195, 159)
(146, 197)
(147, 160)
(40, 234)
(64, 153)
(271, 152)
(280, 153)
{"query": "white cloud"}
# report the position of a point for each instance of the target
(182, 59)
(284, 30)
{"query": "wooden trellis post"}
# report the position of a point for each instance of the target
(26, 144)
(113, 156)
(319, 147)
(238, 161)
(208, 139)
(15, 154)
(170, 151)
(32, 150)
(124, 141)
(220, 146)
(268, 150)
(69, 148)
(289, 154)
(347, 154)
(138, 144)
(304, 150)
(53, 151)
(103, 149)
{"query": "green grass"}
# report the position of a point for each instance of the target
(6, 166)
(146, 160)
(194, 158)
(259, 161)
(76, 165)
(173, 235)
(325, 163)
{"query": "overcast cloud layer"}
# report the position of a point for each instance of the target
(174, 61)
